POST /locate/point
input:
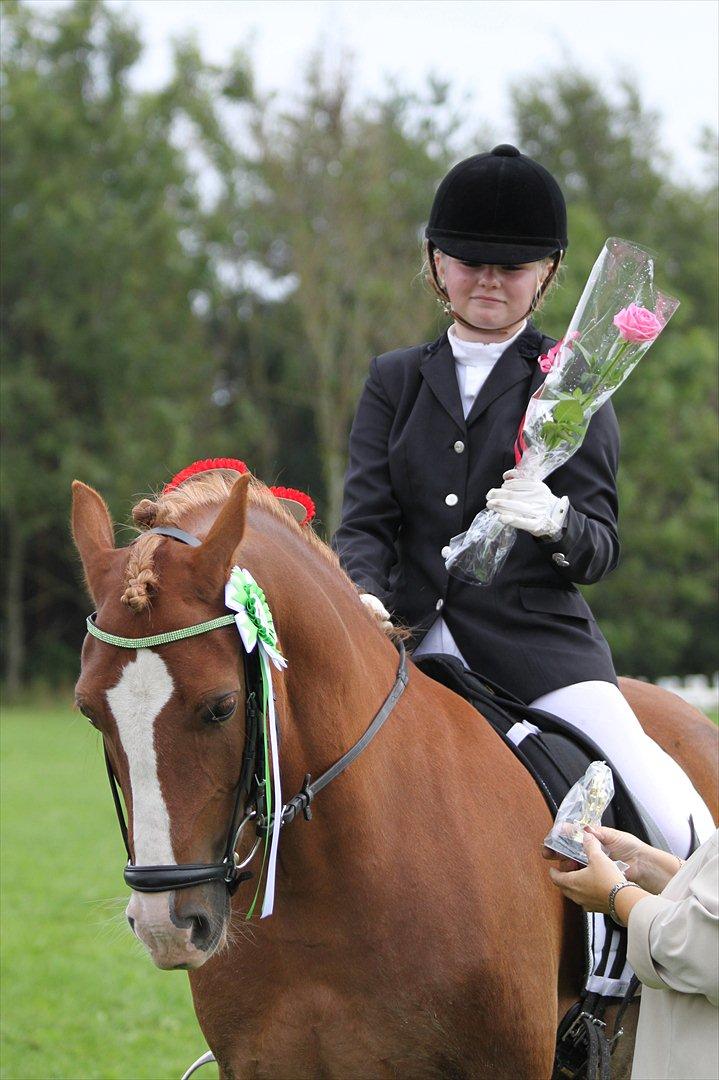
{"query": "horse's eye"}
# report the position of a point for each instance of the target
(86, 713)
(220, 710)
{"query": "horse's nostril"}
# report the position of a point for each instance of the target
(205, 926)
(201, 931)
(131, 922)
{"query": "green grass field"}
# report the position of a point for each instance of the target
(79, 996)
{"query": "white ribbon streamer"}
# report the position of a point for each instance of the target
(269, 898)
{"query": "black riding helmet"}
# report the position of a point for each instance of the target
(500, 207)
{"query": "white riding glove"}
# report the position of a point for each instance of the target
(378, 609)
(529, 505)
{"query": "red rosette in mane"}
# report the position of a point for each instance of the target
(208, 465)
(293, 495)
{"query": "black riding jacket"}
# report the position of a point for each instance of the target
(418, 474)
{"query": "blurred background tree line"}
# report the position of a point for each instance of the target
(199, 271)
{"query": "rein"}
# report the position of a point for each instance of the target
(252, 781)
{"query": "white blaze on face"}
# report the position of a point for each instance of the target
(143, 690)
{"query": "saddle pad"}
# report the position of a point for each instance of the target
(556, 755)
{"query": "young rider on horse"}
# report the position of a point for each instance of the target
(433, 439)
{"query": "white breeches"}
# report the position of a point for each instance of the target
(660, 785)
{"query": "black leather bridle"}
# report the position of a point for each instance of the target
(250, 798)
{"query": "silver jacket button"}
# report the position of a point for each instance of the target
(445, 551)
(451, 499)
(459, 447)
(559, 559)
(439, 605)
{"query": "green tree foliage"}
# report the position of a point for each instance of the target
(330, 216)
(104, 364)
(202, 271)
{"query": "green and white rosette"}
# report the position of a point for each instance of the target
(254, 621)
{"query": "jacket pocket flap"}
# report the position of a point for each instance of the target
(555, 601)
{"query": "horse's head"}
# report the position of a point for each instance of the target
(172, 716)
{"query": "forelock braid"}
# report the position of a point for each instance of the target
(141, 580)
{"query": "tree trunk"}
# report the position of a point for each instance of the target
(334, 465)
(14, 613)
(331, 429)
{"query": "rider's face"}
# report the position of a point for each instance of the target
(489, 295)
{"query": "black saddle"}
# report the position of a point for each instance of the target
(557, 757)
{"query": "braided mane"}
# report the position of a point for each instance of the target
(197, 492)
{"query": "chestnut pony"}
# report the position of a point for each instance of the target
(416, 932)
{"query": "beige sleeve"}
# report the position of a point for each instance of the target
(674, 944)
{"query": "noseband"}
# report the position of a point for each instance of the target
(252, 780)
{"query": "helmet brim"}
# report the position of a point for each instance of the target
(477, 250)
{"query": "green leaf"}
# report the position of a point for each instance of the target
(568, 412)
(591, 360)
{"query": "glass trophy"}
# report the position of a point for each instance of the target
(583, 805)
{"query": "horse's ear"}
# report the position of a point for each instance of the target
(214, 558)
(93, 534)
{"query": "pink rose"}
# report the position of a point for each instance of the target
(637, 324)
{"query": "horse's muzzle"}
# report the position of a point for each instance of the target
(179, 933)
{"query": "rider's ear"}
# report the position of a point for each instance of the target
(93, 534)
(214, 558)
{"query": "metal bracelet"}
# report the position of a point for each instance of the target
(613, 896)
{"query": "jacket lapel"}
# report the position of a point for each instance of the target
(439, 374)
(514, 365)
